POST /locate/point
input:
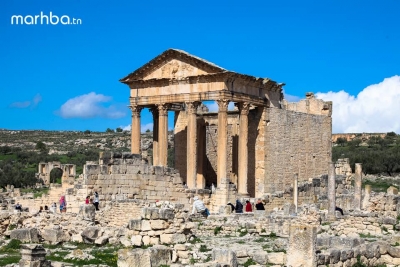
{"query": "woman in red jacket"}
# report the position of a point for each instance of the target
(248, 206)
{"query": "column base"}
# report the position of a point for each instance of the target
(331, 218)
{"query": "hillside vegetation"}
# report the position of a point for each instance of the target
(21, 151)
(378, 155)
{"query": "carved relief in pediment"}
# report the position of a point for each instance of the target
(175, 69)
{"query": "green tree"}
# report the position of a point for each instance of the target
(109, 130)
(341, 141)
(119, 130)
(41, 146)
(87, 132)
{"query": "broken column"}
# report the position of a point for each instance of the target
(302, 243)
(357, 186)
(33, 255)
(295, 190)
(331, 192)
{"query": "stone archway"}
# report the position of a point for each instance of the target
(68, 170)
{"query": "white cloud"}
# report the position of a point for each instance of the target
(143, 127)
(89, 106)
(375, 109)
(30, 103)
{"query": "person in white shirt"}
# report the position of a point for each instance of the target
(198, 206)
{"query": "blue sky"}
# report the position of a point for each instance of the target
(66, 77)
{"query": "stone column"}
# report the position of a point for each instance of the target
(357, 186)
(295, 190)
(135, 129)
(154, 111)
(331, 192)
(162, 134)
(302, 245)
(33, 255)
(191, 154)
(243, 149)
(222, 141)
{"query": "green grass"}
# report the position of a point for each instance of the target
(260, 240)
(366, 235)
(37, 192)
(249, 262)
(243, 232)
(107, 256)
(10, 259)
(12, 251)
(195, 240)
(378, 185)
(203, 248)
(217, 230)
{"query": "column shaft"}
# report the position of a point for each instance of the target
(162, 134)
(135, 129)
(222, 141)
(155, 135)
(191, 155)
(243, 149)
(296, 190)
(357, 186)
(331, 192)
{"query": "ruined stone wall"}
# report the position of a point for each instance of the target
(295, 143)
(125, 176)
(118, 213)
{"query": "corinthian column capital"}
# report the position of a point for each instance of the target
(244, 108)
(135, 110)
(162, 109)
(222, 105)
(191, 107)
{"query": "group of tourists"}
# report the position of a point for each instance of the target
(199, 207)
(248, 208)
(62, 205)
(95, 200)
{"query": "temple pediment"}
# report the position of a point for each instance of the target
(173, 64)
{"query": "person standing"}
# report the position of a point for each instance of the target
(63, 204)
(87, 201)
(249, 208)
(239, 206)
(259, 205)
(96, 200)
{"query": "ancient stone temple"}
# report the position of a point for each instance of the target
(259, 146)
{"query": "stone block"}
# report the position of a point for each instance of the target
(25, 235)
(392, 190)
(154, 241)
(277, 258)
(135, 225)
(158, 224)
(154, 256)
(166, 214)
(90, 234)
(150, 213)
(146, 225)
(137, 240)
(302, 251)
(225, 256)
(102, 240)
(172, 238)
(54, 236)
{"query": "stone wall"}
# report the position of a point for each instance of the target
(125, 176)
(295, 143)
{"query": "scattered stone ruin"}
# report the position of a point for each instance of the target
(266, 148)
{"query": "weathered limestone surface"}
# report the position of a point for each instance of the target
(302, 249)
